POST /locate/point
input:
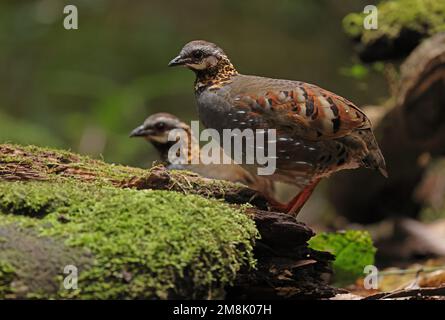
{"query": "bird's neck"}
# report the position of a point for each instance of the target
(215, 76)
(162, 149)
(187, 142)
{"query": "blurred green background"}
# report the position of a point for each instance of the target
(86, 89)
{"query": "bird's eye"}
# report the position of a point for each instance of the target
(197, 54)
(160, 125)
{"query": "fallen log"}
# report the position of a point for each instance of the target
(69, 200)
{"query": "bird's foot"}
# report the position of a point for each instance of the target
(277, 206)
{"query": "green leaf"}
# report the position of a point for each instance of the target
(353, 250)
(356, 71)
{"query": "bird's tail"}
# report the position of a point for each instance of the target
(374, 159)
(378, 162)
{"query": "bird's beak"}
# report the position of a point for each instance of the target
(140, 132)
(178, 61)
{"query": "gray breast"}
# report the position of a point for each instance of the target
(214, 109)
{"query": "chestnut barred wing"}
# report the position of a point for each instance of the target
(308, 111)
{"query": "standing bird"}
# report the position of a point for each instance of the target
(156, 130)
(318, 132)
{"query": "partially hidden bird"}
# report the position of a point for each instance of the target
(156, 129)
(317, 132)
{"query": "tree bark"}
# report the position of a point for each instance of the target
(410, 133)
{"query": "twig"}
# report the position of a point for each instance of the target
(421, 292)
(408, 271)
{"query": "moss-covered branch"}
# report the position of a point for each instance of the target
(135, 233)
(401, 26)
(33, 163)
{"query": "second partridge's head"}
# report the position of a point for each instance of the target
(199, 55)
(157, 127)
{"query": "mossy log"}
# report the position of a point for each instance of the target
(147, 234)
(402, 24)
(410, 134)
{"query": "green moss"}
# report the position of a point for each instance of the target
(52, 164)
(211, 187)
(425, 17)
(7, 276)
(60, 165)
(145, 244)
(353, 24)
(128, 243)
(353, 250)
(33, 202)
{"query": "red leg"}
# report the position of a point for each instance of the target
(294, 206)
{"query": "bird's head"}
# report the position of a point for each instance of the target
(157, 127)
(199, 55)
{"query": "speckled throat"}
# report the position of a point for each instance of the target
(216, 76)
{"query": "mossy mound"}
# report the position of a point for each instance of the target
(401, 26)
(126, 243)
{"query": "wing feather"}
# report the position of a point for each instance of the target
(305, 109)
